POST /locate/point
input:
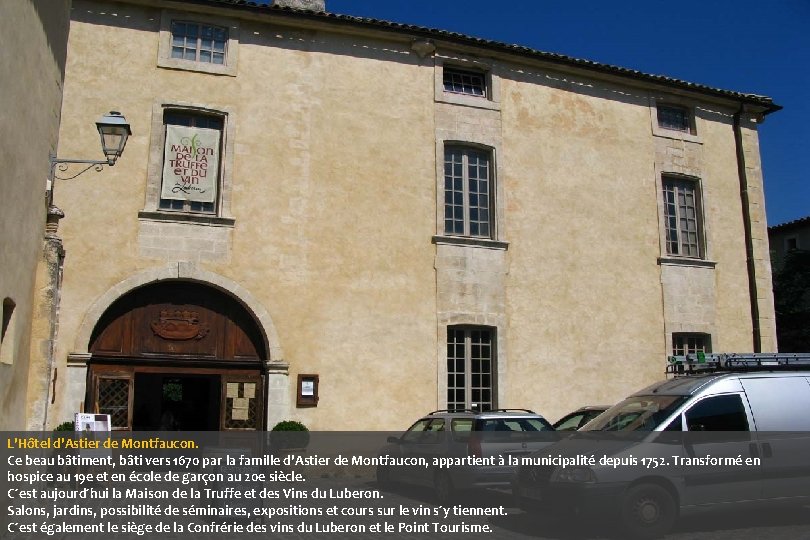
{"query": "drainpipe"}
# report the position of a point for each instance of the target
(749, 243)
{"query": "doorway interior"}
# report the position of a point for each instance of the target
(176, 401)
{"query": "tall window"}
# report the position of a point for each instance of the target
(458, 81)
(191, 162)
(470, 368)
(687, 343)
(682, 217)
(467, 192)
(199, 42)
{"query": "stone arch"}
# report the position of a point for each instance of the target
(184, 271)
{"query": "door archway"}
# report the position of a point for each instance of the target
(177, 355)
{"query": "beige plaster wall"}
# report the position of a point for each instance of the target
(352, 300)
(31, 71)
(335, 180)
(584, 293)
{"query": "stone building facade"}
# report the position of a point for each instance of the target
(32, 68)
(350, 222)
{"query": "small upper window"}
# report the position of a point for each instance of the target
(674, 117)
(199, 42)
(458, 81)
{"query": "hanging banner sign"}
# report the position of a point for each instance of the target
(190, 164)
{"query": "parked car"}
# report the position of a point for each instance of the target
(578, 418)
(488, 438)
(726, 431)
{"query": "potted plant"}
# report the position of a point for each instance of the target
(289, 435)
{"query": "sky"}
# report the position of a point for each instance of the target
(759, 47)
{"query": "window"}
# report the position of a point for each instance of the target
(471, 83)
(470, 369)
(7, 332)
(682, 217)
(467, 192)
(791, 243)
(421, 430)
(718, 413)
(202, 43)
(674, 117)
(192, 149)
(199, 42)
(686, 343)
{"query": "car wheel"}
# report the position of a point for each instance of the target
(648, 511)
(443, 487)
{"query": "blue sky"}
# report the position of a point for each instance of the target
(760, 47)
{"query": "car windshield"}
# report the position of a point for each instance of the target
(637, 413)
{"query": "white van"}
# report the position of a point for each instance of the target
(726, 430)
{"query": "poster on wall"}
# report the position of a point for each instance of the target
(190, 164)
(92, 422)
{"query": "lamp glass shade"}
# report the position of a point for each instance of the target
(114, 131)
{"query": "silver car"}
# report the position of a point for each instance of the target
(463, 449)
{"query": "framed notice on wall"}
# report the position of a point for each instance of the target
(92, 422)
(307, 390)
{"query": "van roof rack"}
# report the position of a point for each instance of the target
(697, 363)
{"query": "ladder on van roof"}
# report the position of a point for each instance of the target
(696, 363)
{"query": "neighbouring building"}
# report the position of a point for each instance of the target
(349, 222)
(790, 257)
(788, 237)
(32, 68)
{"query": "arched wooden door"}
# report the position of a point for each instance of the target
(177, 356)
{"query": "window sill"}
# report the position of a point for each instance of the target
(469, 241)
(199, 67)
(468, 101)
(676, 135)
(677, 261)
(182, 217)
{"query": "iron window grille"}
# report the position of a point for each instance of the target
(458, 81)
(675, 118)
(690, 343)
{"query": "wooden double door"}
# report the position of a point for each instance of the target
(177, 356)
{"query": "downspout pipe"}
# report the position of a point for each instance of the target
(749, 242)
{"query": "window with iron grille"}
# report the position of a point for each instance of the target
(690, 343)
(682, 217)
(470, 368)
(674, 117)
(468, 192)
(199, 42)
(113, 398)
(194, 166)
(458, 81)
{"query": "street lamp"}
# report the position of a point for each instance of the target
(114, 132)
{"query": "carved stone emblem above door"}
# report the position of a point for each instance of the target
(179, 325)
